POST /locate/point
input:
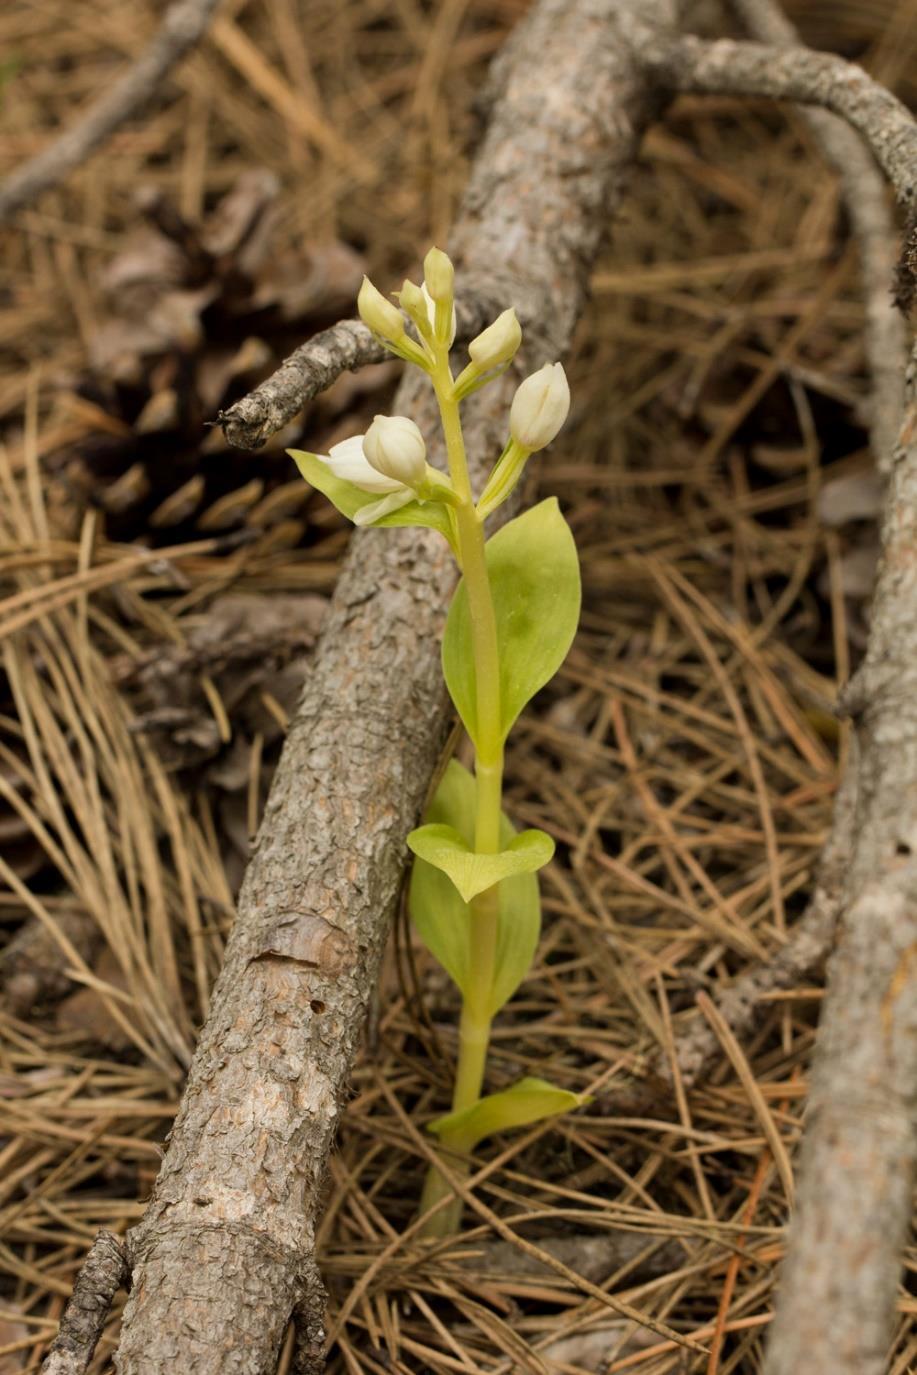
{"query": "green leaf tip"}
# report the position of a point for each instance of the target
(443, 918)
(349, 499)
(530, 1100)
(446, 849)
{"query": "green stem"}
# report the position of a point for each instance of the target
(474, 1027)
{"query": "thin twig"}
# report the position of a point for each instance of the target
(103, 1272)
(183, 25)
(725, 67)
(837, 1298)
(866, 202)
(319, 361)
(310, 369)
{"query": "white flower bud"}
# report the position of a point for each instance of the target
(348, 462)
(540, 407)
(438, 275)
(394, 446)
(382, 316)
(497, 343)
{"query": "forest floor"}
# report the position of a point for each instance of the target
(160, 595)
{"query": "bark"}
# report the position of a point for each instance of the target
(225, 1251)
(836, 1304)
(182, 26)
(104, 1270)
(761, 69)
(866, 203)
(837, 1297)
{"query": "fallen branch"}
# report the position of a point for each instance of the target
(836, 1307)
(104, 1271)
(225, 1251)
(810, 78)
(181, 28)
(866, 203)
(837, 1297)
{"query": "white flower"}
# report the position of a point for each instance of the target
(497, 343)
(431, 315)
(540, 407)
(380, 315)
(348, 462)
(394, 446)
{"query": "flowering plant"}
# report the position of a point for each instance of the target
(474, 895)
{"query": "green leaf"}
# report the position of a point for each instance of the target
(534, 572)
(346, 496)
(446, 849)
(531, 1100)
(432, 514)
(349, 499)
(443, 920)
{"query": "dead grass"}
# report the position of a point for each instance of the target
(685, 760)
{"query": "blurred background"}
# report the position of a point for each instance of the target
(160, 595)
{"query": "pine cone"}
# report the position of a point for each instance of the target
(199, 315)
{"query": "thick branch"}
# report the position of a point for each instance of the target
(104, 1271)
(837, 1296)
(810, 78)
(225, 1249)
(182, 26)
(866, 203)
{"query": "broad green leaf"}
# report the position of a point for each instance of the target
(531, 1100)
(349, 499)
(443, 920)
(534, 572)
(446, 849)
